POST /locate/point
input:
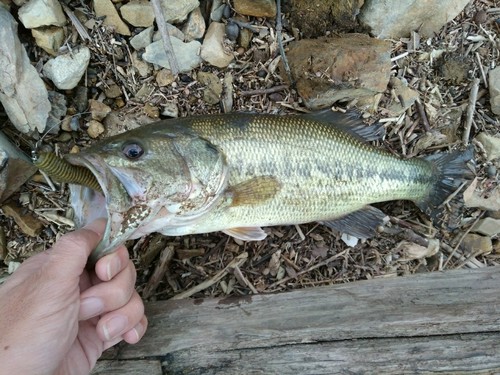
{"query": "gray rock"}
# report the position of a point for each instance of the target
(143, 39)
(67, 70)
(172, 31)
(176, 11)
(476, 244)
(212, 50)
(213, 87)
(57, 111)
(488, 226)
(143, 68)
(491, 145)
(343, 68)
(170, 110)
(38, 13)
(195, 26)
(398, 18)
(22, 91)
(494, 83)
(217, 10)
(138, 13)
(187, 54)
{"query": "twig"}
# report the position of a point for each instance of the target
(470, 110)
(279, 29)
(236, 262)
(323, 263)
(159, 272)
(82, 31)
(264, 91)
(423, 116)
(165, 37)
(245, 25)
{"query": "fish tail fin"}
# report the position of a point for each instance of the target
(451, 171)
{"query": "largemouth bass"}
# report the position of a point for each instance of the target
(237, 173)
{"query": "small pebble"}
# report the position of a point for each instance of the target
(151, 110)
(113, 91)
(232, 31)
(95, 129)
(185, 78)
(480, 17)
(261, 73)
(491, 171)
(276, 97)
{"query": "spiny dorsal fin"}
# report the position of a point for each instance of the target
(246, 233)
(254, 191)
(349, 122)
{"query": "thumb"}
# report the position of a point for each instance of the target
(70, 252)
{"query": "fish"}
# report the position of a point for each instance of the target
(240, 172)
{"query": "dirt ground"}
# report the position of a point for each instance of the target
(308, 255)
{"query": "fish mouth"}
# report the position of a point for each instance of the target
(110, 203)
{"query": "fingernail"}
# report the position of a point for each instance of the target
(114, 327)
(114, 266)
(90, 307)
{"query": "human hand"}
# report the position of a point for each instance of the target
(58, 318)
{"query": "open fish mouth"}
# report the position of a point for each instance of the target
(110, 203)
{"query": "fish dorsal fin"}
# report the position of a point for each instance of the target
(360, 224)
(350, 122)
(254, 191)
(246, 233)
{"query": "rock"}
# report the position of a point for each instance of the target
(213, 89)
(187, 54)
(398, 18)
(98, 110)
(474, 198)
(256, 8)
(15, 168)
(138, 13)
(144, 93)
(38, 13)
(113, 91)
(491, 145)
(22, 91)
(164, 77)
(245, 38)
(195, 26)
(172, 31)
(67, 70)
(170, 110)
(217, 10)
(143, 39)
(28, 224)
(353, 66)
(119, 122)
(494, 82)
(151, 111)
(105, 8)
(95, 129)
(227, 97)
(176, 11)
(315, 18)
(476, 244)
(488, 226)
(212, 50)
(142, 67)
(79, 100)
(406, 97)
(50, 39)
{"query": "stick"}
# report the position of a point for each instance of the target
(279, 28)
(236, 262)
(423, 116)
(470, 110)
(165, 37)
(264, 91)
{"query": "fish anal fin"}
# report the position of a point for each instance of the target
(246, 233)
(361, 224)
(349, 122)
(254, 191)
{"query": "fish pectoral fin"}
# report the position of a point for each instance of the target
(349, 122)
(360, 224)
(254, 191)
(246, 233)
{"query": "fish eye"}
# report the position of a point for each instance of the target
(132, 151)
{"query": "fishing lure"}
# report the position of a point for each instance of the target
(62, 171)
